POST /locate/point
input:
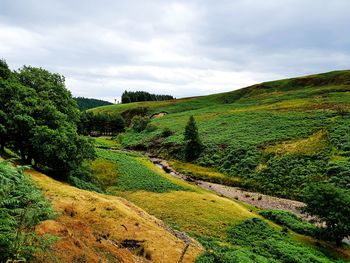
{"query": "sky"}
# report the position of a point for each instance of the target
(182, 48)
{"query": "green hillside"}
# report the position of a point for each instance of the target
(229, 230)
(86, 103)
(276, 136)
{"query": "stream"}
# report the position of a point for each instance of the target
(258, 200)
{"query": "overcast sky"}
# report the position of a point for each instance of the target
(182, 48)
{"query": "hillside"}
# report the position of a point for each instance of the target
(87, 103)
(95, 227)
(205, 216)
(101, 199)
(276, 136)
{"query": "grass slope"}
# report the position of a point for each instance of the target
(176, 202)
(253, 132)
(92, 227)
(210, 218)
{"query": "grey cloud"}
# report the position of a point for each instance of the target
(181, 47)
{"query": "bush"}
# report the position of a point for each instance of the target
(254, 240)
(166, 132)
(22, 207)
(329, 204)
(79, 183)
(290, 220)
(83, 178)
(139, 123)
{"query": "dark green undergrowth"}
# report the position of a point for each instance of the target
(254, 240)
(290, 220)
(22, 207)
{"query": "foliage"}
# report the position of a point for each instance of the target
(86, 103)
(193, 146)
(129, 114)
(82, 184)
(290, 220)
(38, 121)
(5, 72)
(135, 96)
(287, 175)
(237, 127)
(166, 132)
(254, 240)
(100, 124)
(48, 145)
(329, 204)
(139, 123)
(22, 207)
(134, 175)
(339, 174)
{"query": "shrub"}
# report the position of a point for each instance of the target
(254, 240)
(290, 220)
(166, 132)
(329, 204)
(139, 123)
(22, 207)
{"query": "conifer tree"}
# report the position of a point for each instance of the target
(193, 144)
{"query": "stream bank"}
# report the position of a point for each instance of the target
(258, 200)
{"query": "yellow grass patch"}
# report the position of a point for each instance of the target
(105, 172)
(203, 173)
(308, 146)
(199, 212)
(92, 226)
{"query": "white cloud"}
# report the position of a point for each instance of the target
(179, 47)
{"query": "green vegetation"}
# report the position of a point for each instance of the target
(39, 121)
(22, 207)
(277, 137)
(134, 175)
(100, 124)
(227, 230)
(193, 146)
(197, 172)
(291, 221)
(86, 103)
(256, 241)
(131, 96)
(106, 142)
(329, 204)
(139, 123)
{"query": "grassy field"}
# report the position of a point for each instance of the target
(209, 218)
(252, 132)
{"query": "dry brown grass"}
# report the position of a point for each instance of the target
(92, 226)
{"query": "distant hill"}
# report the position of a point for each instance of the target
(86, 103)
(277, 136)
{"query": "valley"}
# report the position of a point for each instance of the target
(123, 183)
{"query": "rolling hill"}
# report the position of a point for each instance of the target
(275, 136)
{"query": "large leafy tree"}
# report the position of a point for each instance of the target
(330, 205)
(193, 146)
(39, 120)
